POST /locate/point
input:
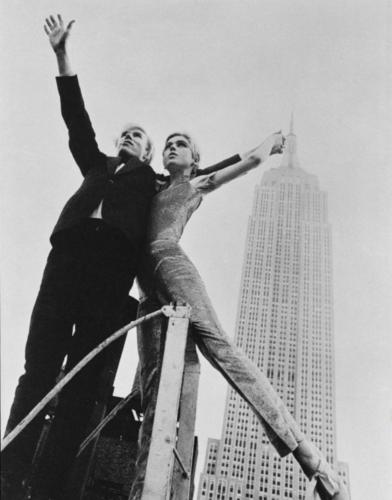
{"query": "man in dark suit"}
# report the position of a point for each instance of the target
(89, 272)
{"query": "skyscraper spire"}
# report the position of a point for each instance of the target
(290, 158)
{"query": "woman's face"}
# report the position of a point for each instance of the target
(177, 155)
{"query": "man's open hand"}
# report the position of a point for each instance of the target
(57, 33)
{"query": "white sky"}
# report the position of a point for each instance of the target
(230, 73)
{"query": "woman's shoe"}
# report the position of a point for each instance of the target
(326, 484)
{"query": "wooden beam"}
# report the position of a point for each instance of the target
(181, 485)
(163, 438)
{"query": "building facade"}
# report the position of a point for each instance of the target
(285, 325)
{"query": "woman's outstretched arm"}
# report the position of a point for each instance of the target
(228, 161)
(250, 160)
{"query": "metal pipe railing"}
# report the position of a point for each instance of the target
(94, 433)
(165, 310)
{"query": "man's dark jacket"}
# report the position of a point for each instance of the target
(126, 196)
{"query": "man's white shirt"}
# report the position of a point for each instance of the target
(97, 213)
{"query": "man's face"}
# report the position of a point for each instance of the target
(177, 155)
(133, 141)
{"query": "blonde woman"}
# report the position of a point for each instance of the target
(168, 275)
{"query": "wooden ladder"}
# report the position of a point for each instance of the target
(170, 464)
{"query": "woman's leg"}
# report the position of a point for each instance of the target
(179, 280)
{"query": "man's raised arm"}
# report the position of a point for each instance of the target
(82, 141)
(58, 36)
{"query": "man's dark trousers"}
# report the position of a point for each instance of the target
(84, 289)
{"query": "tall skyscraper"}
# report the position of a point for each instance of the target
(285, 325)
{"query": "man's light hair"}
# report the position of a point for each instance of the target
(150, 146)
(192, 144)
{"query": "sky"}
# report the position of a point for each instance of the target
(229, 72)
